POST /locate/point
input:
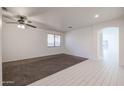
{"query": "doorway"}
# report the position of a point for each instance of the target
(109, 44)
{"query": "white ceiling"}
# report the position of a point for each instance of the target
(62, 17)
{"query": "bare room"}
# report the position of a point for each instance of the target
(62, 46)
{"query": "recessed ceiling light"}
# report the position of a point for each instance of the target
(96, 16)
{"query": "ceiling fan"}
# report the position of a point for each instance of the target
(21, 21)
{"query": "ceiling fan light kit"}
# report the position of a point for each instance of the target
(22, 26)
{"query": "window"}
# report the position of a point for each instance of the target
(50, 40)
(53, 40)
(57, 40)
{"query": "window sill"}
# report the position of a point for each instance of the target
(53, 46)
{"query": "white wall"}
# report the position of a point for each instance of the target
(84, 42)
(0, 47)
(121, 43)
(79, 42)
(22, 44)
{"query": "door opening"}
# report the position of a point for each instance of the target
(109, 44)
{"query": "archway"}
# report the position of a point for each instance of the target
(108, 44)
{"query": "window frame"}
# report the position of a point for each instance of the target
(54, 40)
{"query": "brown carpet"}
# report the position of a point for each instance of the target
(24, 72)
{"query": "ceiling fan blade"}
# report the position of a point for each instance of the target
(8, 17)
(12, 22)
(29, 21)
(31, 25)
